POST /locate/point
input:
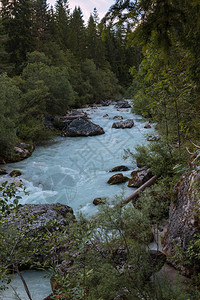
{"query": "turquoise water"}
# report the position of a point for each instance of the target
(38, 283)
(74, 171)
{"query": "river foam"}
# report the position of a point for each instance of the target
(74, 171)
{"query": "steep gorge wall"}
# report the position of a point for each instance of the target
(184, 216)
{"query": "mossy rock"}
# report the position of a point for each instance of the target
(15, 173)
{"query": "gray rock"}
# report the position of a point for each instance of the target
(82, 127)
(22, 151)
(61, 123)
(183, 217)
(122, 104)
(139, 177)
(184, 221)
(118, 118)
(123, 124)
(40, 215)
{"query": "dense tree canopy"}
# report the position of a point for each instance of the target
(57, 62)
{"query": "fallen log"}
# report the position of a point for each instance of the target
(136, 193)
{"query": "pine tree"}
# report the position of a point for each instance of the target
(16, 19)
(77, 34)
(4, 56)
(95, 46)
(40, 23)
(62, 22)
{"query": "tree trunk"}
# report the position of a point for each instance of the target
(24, 282)
(136, 193)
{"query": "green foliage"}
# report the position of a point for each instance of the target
(113, 259)
(104, 256)
(155, 201)
(157, 156)
(102, 84)
(9, 106)
(9, 198)
(77, 34)
(16, 19)
(55, 79)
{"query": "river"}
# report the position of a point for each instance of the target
(74, 171)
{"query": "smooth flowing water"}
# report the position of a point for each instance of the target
(74, 171)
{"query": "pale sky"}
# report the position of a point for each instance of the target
(88, 6)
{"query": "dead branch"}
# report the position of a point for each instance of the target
(136, 193)
(194, 144)
(189, 151)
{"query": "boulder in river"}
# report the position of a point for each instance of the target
(98, 201)
(139, 177)
(119, 169)
(22, 151)
(123, 124)
(61, 123)
(122, 104)
(105, 116)
(117, 179)
(123, 109)
(15, 173)
(118, 118)
(82, 127)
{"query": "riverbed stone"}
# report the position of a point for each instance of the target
(98, 201)
(15, 173)
(117, 118)
(82, 127)
(139, 177)
(129, 123)
(122, 104)
(21, 152)
(119, 169)
(61, 123)
(117, 179)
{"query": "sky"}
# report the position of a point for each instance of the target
(87, 6)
